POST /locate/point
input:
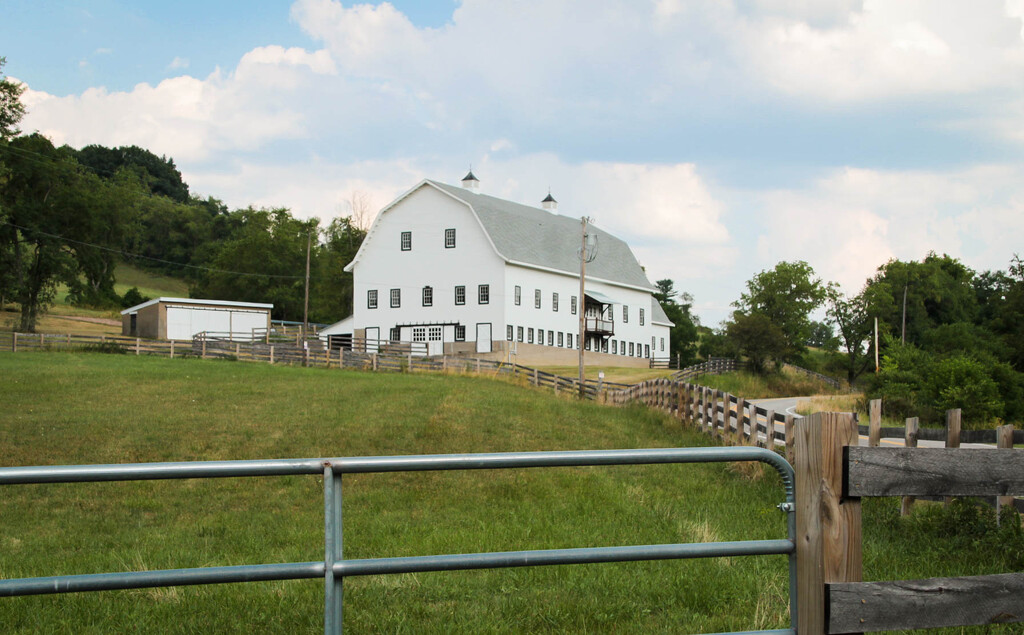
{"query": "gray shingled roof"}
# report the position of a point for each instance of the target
(538, 237)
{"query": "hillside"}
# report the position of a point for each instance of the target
(89, 408)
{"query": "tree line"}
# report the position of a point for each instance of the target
(948, 337)
(68, 217)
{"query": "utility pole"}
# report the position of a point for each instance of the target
(305, 307)
(903, 331)
(581, 304)
(876, 346)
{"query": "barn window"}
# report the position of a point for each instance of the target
(428, 296)
(519, 295)
(371, 299)
(561, 340)
(554, 302)
(641, 317)
(460, 333)
(460, 294)
(484, 294)
(449, 239)
(396, 298)
(419, 334)
(508, 332)
(529, 336)
(406, 241)
(573, 307)
(551, 338)
(536, 298)
(625, 314)
(519, 334)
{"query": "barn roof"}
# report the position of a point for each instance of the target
(532, 236)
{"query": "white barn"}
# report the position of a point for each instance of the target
(468, 273)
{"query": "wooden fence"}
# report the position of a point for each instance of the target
(714, 366)
(831, 381)
(729, 418)
(386, 359)
(832, 474)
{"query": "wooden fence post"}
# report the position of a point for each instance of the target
(769, 430)
(172, 349)
(14, 343)
(952, 436)
(910, 441)
(875, 424)
(752, 408)
(790, 428)
(828, 541)
(1004, 440)
(204, 348)
(741, 407)
(271, 353)
(137, 342)
(373, 356)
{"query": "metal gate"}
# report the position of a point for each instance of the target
(334, 568)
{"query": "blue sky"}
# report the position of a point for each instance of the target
(716, 137)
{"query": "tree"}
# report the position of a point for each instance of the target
(38, 197)
(938, 290)
(854, 326)
(683, 335)
(332, 287)
(159, 174)
(263, 260)
(758, 338)
(11, 108)
(786, 296)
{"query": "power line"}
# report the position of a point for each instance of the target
(167, 262)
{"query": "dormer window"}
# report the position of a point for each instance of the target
(406, 241)
(449, 239)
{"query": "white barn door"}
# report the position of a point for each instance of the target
(435, 346)
(372, 339)
(483, 338)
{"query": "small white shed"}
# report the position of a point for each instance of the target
(183, 318)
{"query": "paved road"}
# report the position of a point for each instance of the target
(788, 405)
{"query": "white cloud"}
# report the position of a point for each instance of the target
(178, 62)
(851, 221)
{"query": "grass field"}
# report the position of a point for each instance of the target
(88, 408)
(611, 374)
(786, 383)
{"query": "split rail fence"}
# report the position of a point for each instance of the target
(833, 474)
(390, 357)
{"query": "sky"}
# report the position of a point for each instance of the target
(716, 137)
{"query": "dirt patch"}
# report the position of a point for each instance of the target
(93, 320)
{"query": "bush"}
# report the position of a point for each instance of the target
(962, 382)
(132, 297)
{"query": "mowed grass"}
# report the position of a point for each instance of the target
(614, 374)
(151, 284)
(63, 408)
(81, 408)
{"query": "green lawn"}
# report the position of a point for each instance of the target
(65, 408)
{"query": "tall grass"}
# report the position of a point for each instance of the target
(65, 408)
(748, 385)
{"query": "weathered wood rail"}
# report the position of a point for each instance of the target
(389, 358)
(832, 475)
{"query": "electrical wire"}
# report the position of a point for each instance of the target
(167, 262)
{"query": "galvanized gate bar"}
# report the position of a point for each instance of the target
(334, 568)
(586, 555)
(163, 577)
